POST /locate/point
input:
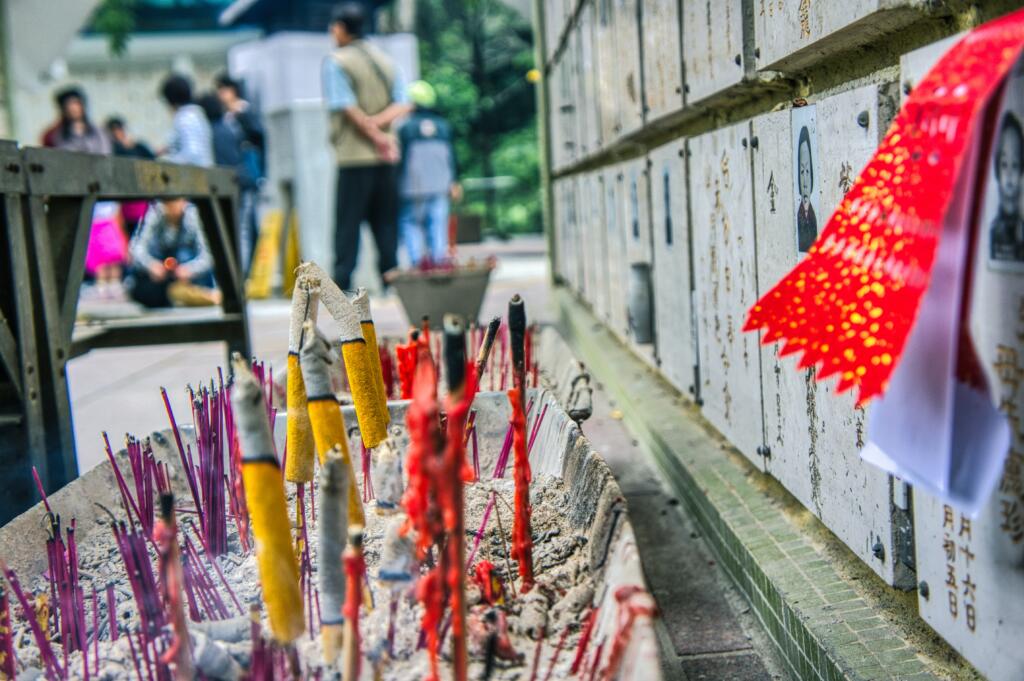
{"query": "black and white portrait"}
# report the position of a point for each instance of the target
(1002, 215)
(805, 176)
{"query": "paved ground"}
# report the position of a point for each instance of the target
(706, 630)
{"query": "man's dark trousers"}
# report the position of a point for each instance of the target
(367, 193)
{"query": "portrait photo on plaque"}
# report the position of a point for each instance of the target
(1002, 217)
(806, 181)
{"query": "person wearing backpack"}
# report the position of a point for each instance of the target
(365, 94)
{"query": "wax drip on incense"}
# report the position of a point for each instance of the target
(406, 358)
(420, 501)
(264, 489)
(355, 573)
(305, 303)
(455, 473)
(522, 541)
(356, 352)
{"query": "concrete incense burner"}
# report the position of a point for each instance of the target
(582, 544)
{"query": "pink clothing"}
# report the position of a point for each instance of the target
(133, 212)
(107, 243)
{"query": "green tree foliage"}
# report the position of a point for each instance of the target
(115, 19)
(476, 54)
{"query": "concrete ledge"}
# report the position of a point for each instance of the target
(828, 615)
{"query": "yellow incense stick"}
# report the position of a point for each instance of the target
(299, 464)
(356, 353)
(325, 414)
(268, 510)
(362, 305)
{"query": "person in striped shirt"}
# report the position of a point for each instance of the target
(191, 139)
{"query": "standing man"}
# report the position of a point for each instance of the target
(428, 178)
(364, 93)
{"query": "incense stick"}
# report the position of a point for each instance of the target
(179, 652)
(485, 347)
(279, 570)
(332, 533)
(325, 413)
(356, 354)
(305, 304)
(361, 301)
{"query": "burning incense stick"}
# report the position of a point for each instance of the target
(361, 302)
(332, 531)
(165, 532)
(357, 355)
(485, 346)
(522, 542)
(279, 569)
(461, 390)
(420, 500)
(324, 412)
(355, 569)
(305, 303)
(517, 341)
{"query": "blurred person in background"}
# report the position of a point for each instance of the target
(171, 261)
(73, 130)
(245, 124)
(227, 151)
(106, 253)
(365, 94)
(428, 178)
(239, 112)
(127, 146)
(107, 248)
(190, 140)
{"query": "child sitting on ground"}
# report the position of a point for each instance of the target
(171, 263)
(106, 252)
